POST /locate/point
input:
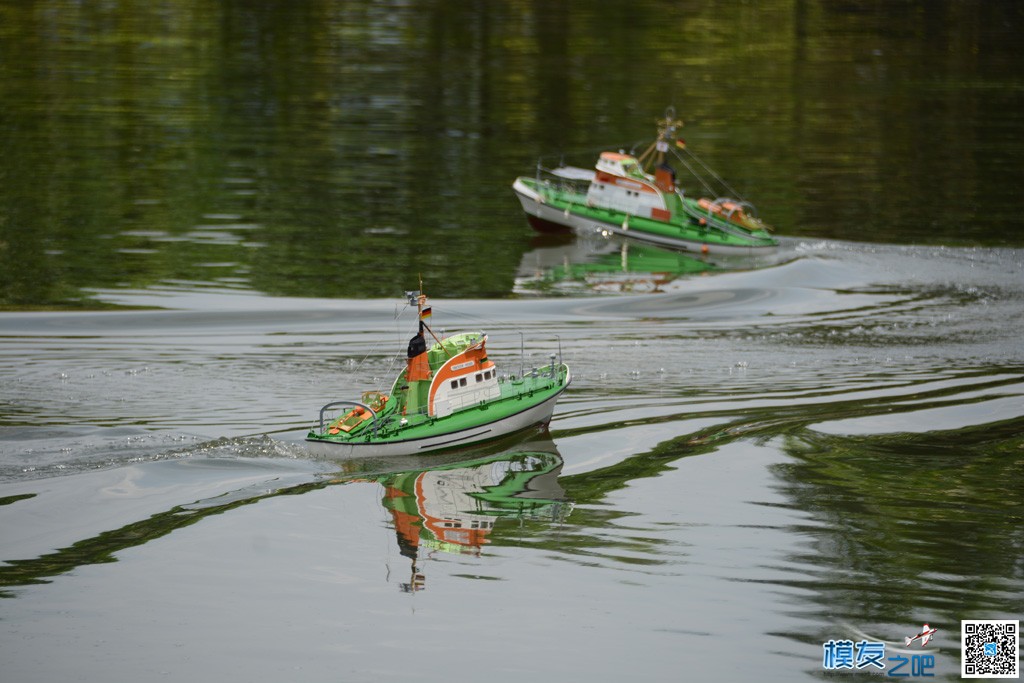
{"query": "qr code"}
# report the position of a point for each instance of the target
(988, 648)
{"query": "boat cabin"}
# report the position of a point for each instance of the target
(619, 164)
(620, 184)
(465, 380)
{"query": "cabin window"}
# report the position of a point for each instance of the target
(455, 384)
(479, 377)
(462, 382)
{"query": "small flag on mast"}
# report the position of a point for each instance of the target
(425, 313)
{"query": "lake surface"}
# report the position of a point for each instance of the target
(207, 219)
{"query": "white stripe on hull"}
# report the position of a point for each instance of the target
(531, 205)
(538, 414)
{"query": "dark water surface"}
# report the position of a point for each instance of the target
(208, 213)
(333, 149)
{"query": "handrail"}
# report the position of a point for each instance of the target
(336, 404)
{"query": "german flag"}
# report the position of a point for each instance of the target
(681, 144)
(425, 313)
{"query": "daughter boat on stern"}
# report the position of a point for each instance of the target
(449, 395)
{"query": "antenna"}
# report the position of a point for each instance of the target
(522, 355)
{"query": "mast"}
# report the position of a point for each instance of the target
(417, 372)
(422, 313)
(653, 158)
(667, 127)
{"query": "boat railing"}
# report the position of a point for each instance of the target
(353, 404)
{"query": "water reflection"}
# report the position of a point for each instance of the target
(81, 533)
(454, 508)
(912, 525)
(283, 148)
(567, 264)
(449, 503)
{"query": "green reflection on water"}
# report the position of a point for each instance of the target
(896, 525)
(449, 502)
(103, 547)
(913, 522)
(340, 150)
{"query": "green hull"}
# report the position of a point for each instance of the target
(449, 396)
(556, 204)
(524, 402)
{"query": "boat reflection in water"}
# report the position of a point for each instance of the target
(575, 265)
(454, 507)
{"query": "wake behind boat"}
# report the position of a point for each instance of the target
(639, 197)
(449, 395)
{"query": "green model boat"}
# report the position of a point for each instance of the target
(449, 395)
(639, 197)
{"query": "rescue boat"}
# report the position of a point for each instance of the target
(449, 395)
(639, 197)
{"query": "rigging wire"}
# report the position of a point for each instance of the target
(476, 318)
(695, 174)
(712, 173)
(399, 336)
(498, 323)
(375, 349)
(591, 150)
(356, 367)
